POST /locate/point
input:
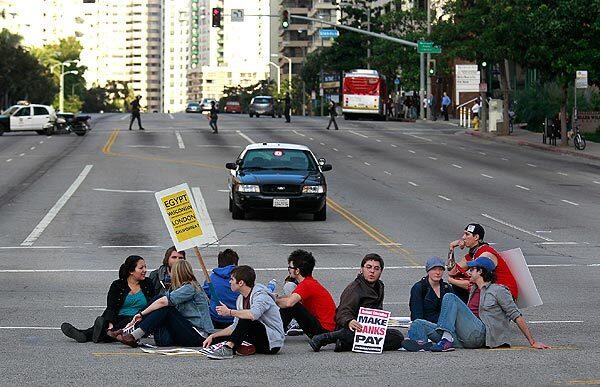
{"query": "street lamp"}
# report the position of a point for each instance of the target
(289, 70)
(61, 96)
(278, 76)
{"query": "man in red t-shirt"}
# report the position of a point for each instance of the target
(473, 240)
(310, 303)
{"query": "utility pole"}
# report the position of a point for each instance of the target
(429, 108)
(369, 40)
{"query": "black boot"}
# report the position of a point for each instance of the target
(323, 339)
(99, 331)
(76, 334)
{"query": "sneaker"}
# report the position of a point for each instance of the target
(443, 346)
(72, 332)
(416, 345)
(221, 353)
(294, 329)
(246, 349)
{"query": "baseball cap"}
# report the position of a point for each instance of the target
(484, 262)
(434, 262)
(475, 229)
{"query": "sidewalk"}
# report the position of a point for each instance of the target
(534, 140)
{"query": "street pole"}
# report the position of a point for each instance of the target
(278, 76)
(429, 108)
(369, 40)
(61, 96)
(422, 91)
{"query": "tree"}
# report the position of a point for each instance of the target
(21, 74)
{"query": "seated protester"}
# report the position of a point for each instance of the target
(484, 321)
(227, 260)
(310, 304)
(473, 239)
(367, 291)
(426, 295)
(126, 296)
(256, 319)
(180, 317)
(161, 277)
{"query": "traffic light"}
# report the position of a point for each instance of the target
(432, 68)
(285, 19)
(216, 17)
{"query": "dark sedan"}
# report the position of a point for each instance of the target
(278, 177)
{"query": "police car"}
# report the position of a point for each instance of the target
(25, 116)
(278, 177)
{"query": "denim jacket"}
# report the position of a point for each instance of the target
(192, 303)
(496, 310)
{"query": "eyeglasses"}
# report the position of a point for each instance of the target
(374, 268)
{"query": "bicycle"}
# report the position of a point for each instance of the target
(577, 137)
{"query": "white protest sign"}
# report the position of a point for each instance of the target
(528, 293)
(467, 79)
(370, 339)
(180, 214)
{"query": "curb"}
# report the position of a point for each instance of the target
(535, 146)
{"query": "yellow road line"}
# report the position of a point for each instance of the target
(106, 149)
(589, 381)
(371, 231)
(527, 348)
(98, 354)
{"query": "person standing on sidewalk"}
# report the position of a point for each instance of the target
(332, 114)
(213, 116)
(287, 107)
(135, 112)
(446, 102)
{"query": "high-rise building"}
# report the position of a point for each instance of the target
(176, 49)
(326, 11)
(294, 40)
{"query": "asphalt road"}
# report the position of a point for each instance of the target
(72, 208)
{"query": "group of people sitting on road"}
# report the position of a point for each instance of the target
(472, 310)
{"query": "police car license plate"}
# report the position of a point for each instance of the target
(281, 202)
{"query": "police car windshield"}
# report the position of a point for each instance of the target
(279, 159)
(11, 110)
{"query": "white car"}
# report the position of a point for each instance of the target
(38, 118)
(206, 104)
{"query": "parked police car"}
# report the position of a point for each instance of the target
(278, 177)
(38, 118)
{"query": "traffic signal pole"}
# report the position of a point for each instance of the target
(381, 36)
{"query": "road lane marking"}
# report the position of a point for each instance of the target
(22, 154)
(563, 174)
(517, 228)
(419, 137)
(299, 134)
(223, 190)
(358, 134)
(445, 198)
(34, 328)
(525, 188)
(311, 139)
(32, 148)
(413, 184)
(544, 231)
(122, 118)
(556, 322)
(367, 163)
(488, 176)
(39, 229)
(41, 142)
(482, 153)
(8, 160)
(432, 158)
(378, 140)
(394, 146)
(556, 243)
(335, 268)
(349, 156)
(335, 149)
(571, 203)
(387, 173)
(170, 115)
(596, 182)
(532, 165)
(148, 146)
(85, 306)
(316, 244)
(245, 137)
(112, 138)
(371, 231)
(323, 144)
(179, 140)
(504, 159)
(456, 166)
(412, 151)
(217, 146)
(36, 247)
(209, 235)
(122, 190)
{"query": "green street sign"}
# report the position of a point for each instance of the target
(428, 48)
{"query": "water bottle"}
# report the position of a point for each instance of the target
(272, 285)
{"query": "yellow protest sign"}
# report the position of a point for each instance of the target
(180, 215)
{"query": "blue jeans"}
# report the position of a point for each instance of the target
(170, 328)
(455, 318)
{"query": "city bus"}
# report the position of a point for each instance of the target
(364, 94)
